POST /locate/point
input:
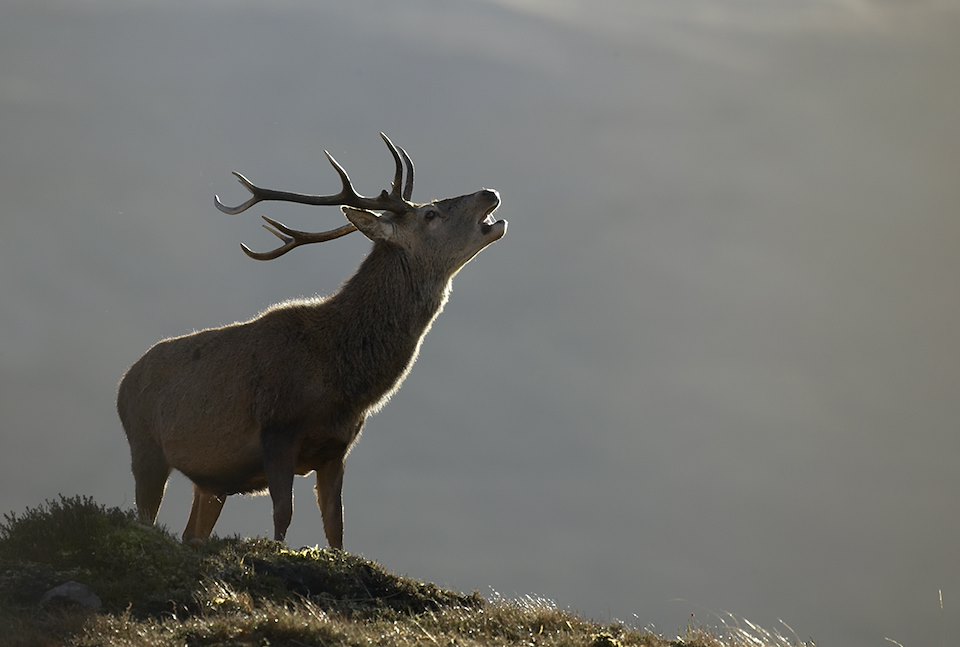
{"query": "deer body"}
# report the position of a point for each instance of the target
(244, 407)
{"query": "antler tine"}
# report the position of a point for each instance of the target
(293, 238)
(391, 201)
(408, 187)
(347, 192)
(251, 187)
(398, 175)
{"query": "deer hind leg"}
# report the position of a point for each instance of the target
(150, 472)
(203, 515)
(329, 488)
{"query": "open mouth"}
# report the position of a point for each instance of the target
(487, 222)
(490, 228)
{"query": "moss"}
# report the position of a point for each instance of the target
(77, 539)
(336, 580)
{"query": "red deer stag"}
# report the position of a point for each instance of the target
(244, 407)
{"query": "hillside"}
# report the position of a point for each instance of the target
(148, 589)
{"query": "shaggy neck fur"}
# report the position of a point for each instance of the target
(386, 308)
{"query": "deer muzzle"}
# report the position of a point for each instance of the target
(488, 225)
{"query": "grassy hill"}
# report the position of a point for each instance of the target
(154, 591)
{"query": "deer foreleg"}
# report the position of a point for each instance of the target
(329, 488)
(279, 458)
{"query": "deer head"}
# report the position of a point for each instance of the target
(446, 232)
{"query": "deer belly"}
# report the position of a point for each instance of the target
(227, 464)
(251, 480)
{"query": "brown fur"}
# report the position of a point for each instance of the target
(244, 407)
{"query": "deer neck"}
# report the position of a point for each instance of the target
(384, 311)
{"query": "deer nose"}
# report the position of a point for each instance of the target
(491, 195)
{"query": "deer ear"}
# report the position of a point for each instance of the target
(370, 224)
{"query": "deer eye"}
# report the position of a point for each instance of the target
(430, 214)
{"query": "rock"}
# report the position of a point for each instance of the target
(604, 639)
(71, 594)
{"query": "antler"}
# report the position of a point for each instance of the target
(292, 238)
(396, 200)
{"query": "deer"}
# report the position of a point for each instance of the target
(242, 408)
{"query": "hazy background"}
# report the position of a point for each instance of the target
(713, 366)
